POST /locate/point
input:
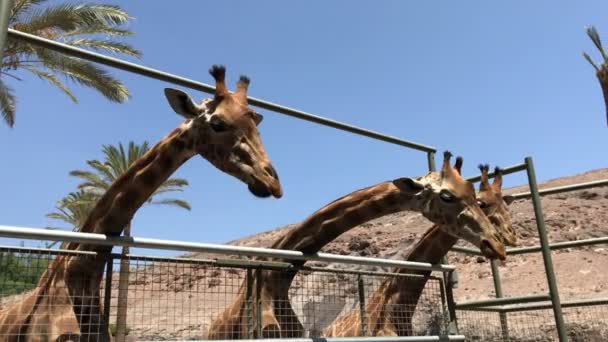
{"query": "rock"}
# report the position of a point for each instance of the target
(213, 282)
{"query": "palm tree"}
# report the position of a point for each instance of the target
(601, 71)
(75, 207)
(90, 26)
(72, 209)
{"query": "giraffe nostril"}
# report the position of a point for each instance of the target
(271, 171)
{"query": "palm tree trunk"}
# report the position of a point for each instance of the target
(123, 287)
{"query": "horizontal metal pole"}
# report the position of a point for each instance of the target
(534, 249)
(540, 306)
(566, 304)
(565, 188)
(192, 84)
(502, 301)
(559, 245)
(32, 250)
(505, 171)
(100, 239)
(359, 339)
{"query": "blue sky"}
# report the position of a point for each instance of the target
(494, 82)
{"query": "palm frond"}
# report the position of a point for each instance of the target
(106, 45)
(175, 182)
(7, 104)
(91, 180)
(59, 216)
(595, 38)
(115, 159)
(85, 73)
(174, 202)
(20, 6)
(104, 169)
(51, 78)
(68, 17)
(588, 58)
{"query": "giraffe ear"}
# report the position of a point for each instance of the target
(181, 103)
(508, 199)
(257, 118)
(408, 184)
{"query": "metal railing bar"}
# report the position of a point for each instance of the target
(189, 83)
(505, 171)
(32, 250)
(564, 188)
(546, 251)
(538, 306)
(356, 339)
(534, 249)
(100, 239)
(502, 301)
(559, 245)
(5, 14)
(566, 304)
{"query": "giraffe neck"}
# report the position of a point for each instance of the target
(115, 209)
(334, 219)
(432, 246)
(345, 213)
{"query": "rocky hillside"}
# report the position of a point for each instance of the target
(581, 272)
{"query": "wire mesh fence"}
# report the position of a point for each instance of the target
(583, 324)
(180, 299)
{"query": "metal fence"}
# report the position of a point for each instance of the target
(529, 318)
(177, 298)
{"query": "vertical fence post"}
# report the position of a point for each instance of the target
(445, 319)
(5, 14)
(499, 294)
(123, 296)
(449, 294)
(546, 251)
(361, 289)
(430, 158)
(249, 303)
(258, 299)
(107, 295)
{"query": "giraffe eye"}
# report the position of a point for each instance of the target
(446, 196)
(482, 204)
(218, 126)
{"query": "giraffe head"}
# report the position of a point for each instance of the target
(449, 200)
(224, 131)
(494, 204)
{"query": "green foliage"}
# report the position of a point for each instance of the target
(595, 38)
(19, 273)
(91, 26)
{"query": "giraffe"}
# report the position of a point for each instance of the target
(66, 303)
(443, 197)
(391, 307)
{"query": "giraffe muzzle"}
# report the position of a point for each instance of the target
(264, 189)
(492, 249)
